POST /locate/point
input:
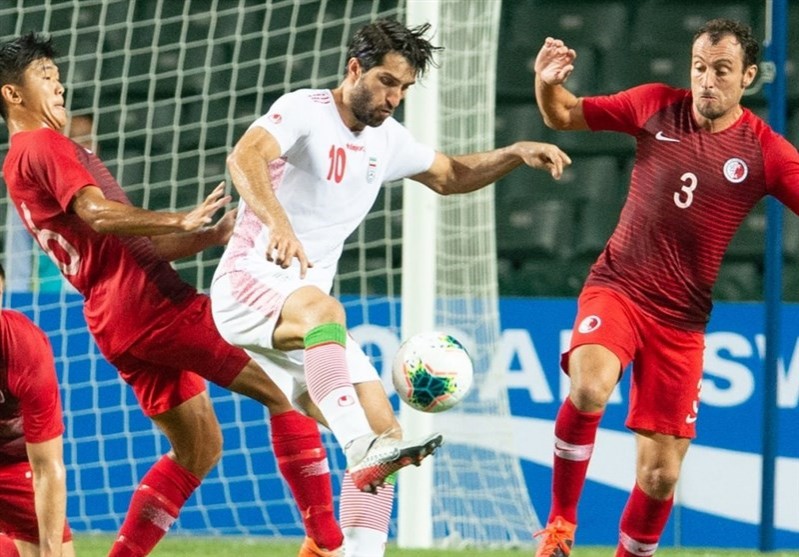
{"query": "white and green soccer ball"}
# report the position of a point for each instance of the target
(432, 372)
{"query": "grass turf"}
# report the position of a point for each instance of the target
(186, 546)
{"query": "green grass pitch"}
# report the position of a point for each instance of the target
(185, 546)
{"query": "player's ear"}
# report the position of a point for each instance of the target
(749, 76)
(354, 67)
(10, 94)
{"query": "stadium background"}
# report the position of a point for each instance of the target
(158, 126)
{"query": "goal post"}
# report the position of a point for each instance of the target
(419, 277)
(477, 491)
(167, 87)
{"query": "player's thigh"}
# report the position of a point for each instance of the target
(194, 433)
(666, 381)
(248, 304)
(604, 340)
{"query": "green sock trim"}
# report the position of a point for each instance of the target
(326, 333)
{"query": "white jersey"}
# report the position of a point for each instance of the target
(327, 177)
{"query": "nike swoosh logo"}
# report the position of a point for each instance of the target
(689, 419)
(660, 136)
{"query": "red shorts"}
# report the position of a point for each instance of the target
(667, 361)
(17, 504)
(169, 365)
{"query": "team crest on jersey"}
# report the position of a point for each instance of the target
(735, 170)
(589, 324)
(371, 171)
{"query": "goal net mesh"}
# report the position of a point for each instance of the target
(162, 90)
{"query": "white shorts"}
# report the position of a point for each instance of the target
(246, 304)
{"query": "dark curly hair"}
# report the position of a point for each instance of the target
(17, 54)
(372, 42)
(718, 28)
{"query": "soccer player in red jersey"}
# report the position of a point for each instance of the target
(156, 329)
(33, 485)
(702, 162)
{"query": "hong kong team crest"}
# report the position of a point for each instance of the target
(589, 324)
(735, 170)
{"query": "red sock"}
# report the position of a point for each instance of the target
(7, 547)
(575, 432)
(303, 462)
(155, 505)
(642, 523)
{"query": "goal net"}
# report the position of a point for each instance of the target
(162, 90)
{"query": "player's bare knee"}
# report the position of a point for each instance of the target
(196, 440)
(659, 481)
(589, 396)
(200, 456)
(323, 310)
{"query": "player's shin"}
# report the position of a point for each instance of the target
(155, 505)
(575, 432)
(642, 524)
(329, 383)
(365, 518)
(303, 463)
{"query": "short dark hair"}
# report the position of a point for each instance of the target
(17, 54)
(718, 28)
(372, 42)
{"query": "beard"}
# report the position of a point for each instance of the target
(709, 111)
(362, 106)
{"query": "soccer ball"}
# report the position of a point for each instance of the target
(432, 372)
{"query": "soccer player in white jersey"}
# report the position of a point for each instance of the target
(308, 172)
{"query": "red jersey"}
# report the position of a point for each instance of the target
(30, 403)
(124, 283)
(689, 191)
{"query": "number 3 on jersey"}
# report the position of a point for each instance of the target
(338, 162)
(685, 196)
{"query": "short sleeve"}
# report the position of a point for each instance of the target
(782, 170)
(288, 120)
(627, 111)
(411, 157)
(53, 162)
(32, 379)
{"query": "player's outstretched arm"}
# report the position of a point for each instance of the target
(111, 217)
(560, 109)
(248, 165)
(466, 173)
(177, 246)
(50, 489)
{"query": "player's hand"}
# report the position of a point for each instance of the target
(544, 156)
(554, 62)
(284, 247)
(203, 213)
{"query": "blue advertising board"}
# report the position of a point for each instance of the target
(110, 444)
